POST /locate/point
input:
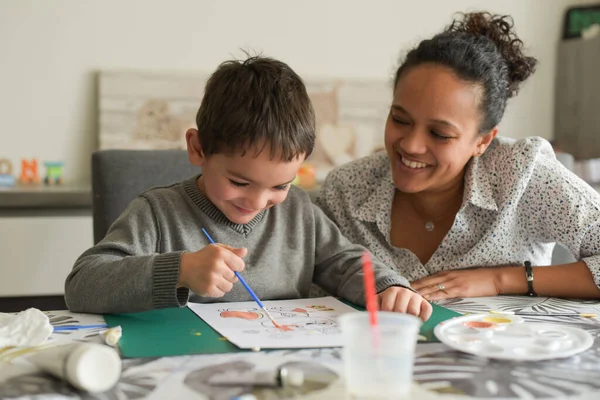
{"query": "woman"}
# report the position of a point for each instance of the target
(457, 210)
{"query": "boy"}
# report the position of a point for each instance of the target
(256, 126)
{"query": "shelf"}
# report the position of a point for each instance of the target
(67, 196)
(58, 197)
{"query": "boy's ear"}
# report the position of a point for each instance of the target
(194, 149)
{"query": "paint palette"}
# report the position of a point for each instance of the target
(507, 337)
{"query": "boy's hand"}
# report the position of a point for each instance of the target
(209, 272)
(403, 300)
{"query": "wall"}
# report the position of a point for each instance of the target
(37, 253)
(50, 51)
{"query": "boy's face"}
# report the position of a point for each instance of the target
(241, 186)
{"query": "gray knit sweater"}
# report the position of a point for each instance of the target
(290, 246)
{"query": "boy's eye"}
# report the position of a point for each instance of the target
(281, 187)
(400, 121)
(238, 184)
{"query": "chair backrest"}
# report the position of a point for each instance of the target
(119, 176)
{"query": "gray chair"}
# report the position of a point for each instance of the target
(119, 176)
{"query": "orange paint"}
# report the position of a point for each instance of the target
(285, 328)
(479, 324)
(247, 315)
(300, 310)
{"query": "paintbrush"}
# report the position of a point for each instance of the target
(371, 296)
(59, 328)
(250, 291)
(542, 314)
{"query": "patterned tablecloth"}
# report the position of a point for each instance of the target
(439, 371)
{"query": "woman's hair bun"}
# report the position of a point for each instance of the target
(499, 29)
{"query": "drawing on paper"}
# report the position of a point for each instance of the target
(306, 322)
(321, 308)
(297, 319)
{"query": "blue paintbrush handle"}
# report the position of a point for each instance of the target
(242, 281)
(77, 327)
(254, 296)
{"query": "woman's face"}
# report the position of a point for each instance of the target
(432, 129)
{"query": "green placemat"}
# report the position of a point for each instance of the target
(178, 331)
(167, 332)
(439, 314)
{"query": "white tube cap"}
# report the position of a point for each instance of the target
(93, 367)
(292, 377)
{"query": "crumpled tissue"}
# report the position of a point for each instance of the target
(27, 328)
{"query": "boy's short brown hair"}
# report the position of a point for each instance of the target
(256, 102)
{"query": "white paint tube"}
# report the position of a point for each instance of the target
(87, 366)
(280, 377)
(112, 336)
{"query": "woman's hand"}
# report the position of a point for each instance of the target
(477, 282)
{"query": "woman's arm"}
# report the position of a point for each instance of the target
(569, 214)
(568, 280)
(557, 207)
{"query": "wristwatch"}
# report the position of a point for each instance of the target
(529, 276)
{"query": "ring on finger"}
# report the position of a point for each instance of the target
(441, 287)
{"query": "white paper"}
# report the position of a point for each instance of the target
(27, 328)
(313, 322)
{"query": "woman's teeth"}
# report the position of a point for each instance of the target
(413, 164)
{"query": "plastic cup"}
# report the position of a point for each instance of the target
(379, 366)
